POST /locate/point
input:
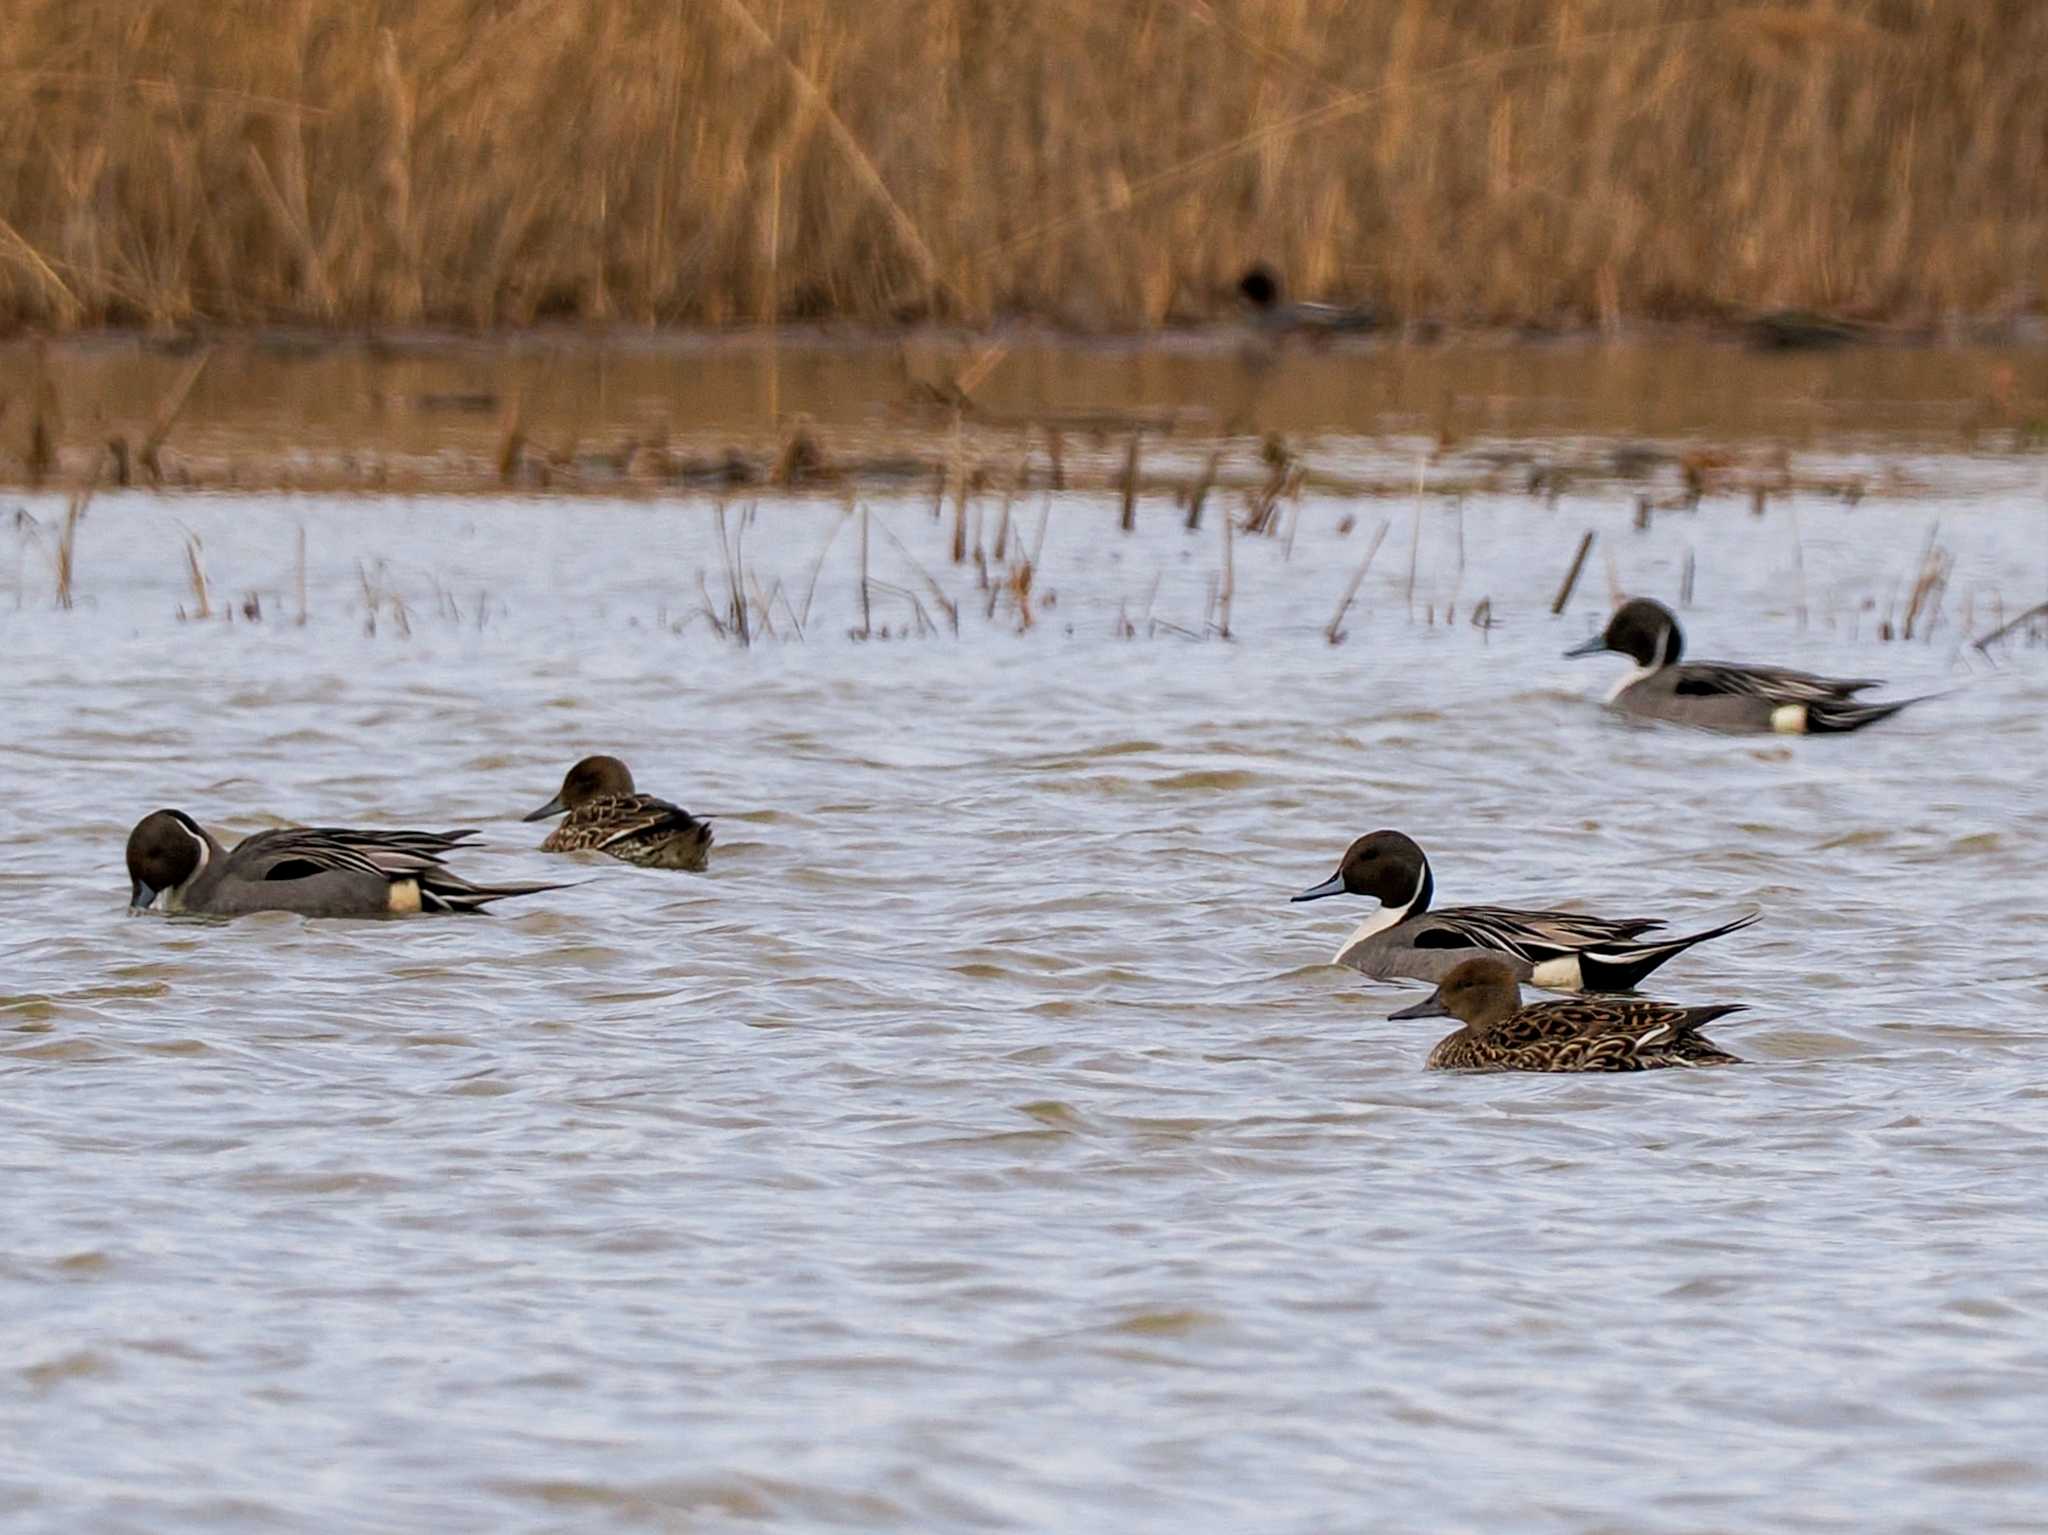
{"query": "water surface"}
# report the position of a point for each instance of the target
(982, 1143)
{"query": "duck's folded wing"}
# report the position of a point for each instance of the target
(1776, 685)
(638, 818)
(1545, 1022)
(301, 852)
(1533, 936)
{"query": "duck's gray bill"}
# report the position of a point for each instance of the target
(1430, 1006)
(140, 897)
(1334, 885)
(552, 807)
(1592, 647)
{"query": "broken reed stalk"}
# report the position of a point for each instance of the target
(1414, 555)
(732, 552)
(1129, 520)
(1571, 577)
(960, 520)
(202, 605)
(65, 559)
(1226, 586)
(1001, 549)
(1334, 630)
(168, 410)
(2038, 610)
(41, 458)
(512, 438)
(1798, 563)
(1928, 588)
(867, 617)
(818, 565)
(1200, 493)
(946, 604)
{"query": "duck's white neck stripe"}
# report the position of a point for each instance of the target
(1381, 920)
(1635, 675)
(205, 854)
(1657, 663)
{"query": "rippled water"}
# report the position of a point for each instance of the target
(982, 1143)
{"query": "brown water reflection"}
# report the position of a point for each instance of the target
(320, 410)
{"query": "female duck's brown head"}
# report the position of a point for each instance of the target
(1478, 993)
(592, 778)
(166, 849)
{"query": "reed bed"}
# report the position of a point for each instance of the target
(488, 163)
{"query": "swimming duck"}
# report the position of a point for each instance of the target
(1615, 1034)
(1260, 290)
(1720, 695)
(1557, 950)
(314, 871)
(606, 815)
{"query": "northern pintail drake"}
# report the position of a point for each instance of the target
(1557, 950)
(314, 871)
(1611, 1034)
(1723, 695)
(606, 815)
(1260, 290)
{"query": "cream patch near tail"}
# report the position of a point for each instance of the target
(1789, 719)
(1558, 974)
(405, 897)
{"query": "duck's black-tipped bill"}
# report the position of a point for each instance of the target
(1431, 1006)
(552, 807)
(1592, 647)
(139, 897)
(1334, 885)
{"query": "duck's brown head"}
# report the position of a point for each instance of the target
(165, 850)
(592, 778)
(1478, 992)
(1386, 865)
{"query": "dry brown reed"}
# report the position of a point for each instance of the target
(1571, 576)
(490, 162)
(1334, 630)
(62, 550)
(195, 572)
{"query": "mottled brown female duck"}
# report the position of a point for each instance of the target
(606, 815)
(1589, 1034)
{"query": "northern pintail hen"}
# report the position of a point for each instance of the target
(1612, 1034)
(314, 871)
(606, 815)
(1723, 695)
(1557, 950)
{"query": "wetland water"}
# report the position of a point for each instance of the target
(981, 1143)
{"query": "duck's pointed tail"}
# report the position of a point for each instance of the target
(1680, 1042)
(1620, 966)
(1687, 1022)
(1841, 716)
(441, 891)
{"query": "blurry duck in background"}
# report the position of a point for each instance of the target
(1260, 290)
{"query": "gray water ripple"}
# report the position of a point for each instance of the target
(981, 1143)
